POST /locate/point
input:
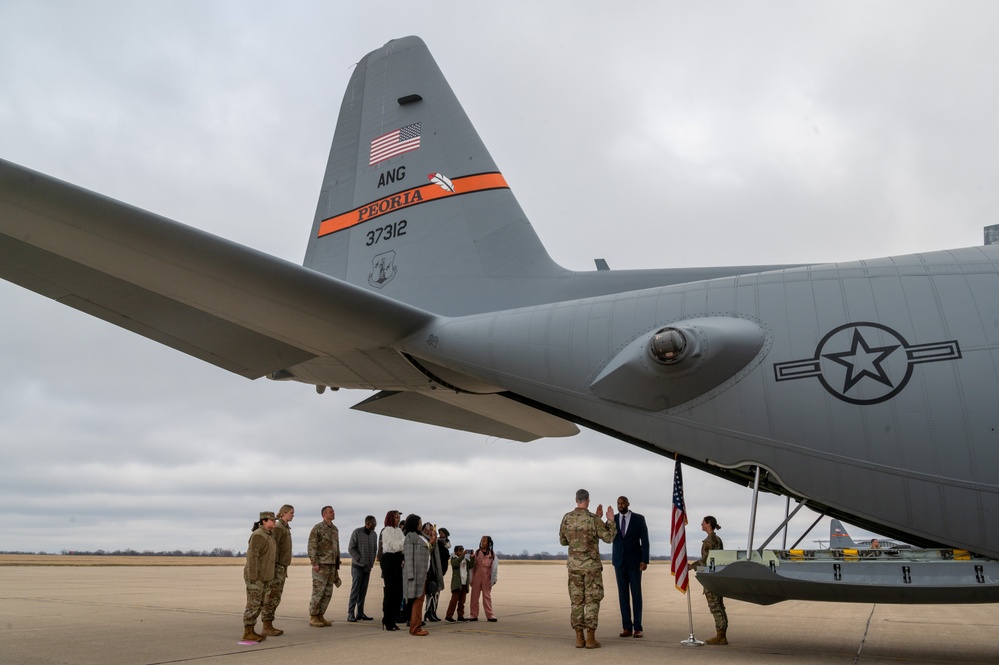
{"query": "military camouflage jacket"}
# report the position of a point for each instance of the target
(260, 555)
(324, 544)
(282, 536)
(712, 542)
(581, 530)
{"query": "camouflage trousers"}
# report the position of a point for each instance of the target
(586, 590)
(322, 589)
(255, 592)
(272, 597)
(716, 604)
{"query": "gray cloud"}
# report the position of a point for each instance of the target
(663, 134)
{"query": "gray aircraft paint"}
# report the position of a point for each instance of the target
(869, 388)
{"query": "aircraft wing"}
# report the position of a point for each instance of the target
(221, 302)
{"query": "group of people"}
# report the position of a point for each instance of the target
(413, 556)
(268, 555)
(582, 532)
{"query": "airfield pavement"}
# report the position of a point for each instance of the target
(113, 614)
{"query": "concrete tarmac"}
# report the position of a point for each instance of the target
(193, 615)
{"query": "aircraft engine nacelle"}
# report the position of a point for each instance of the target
(679, 362)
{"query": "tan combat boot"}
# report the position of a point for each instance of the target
(270, 630)
(717, 639)
(580, 640)
(325, 622)
(250, 636)
(591, 639)
(316, 622)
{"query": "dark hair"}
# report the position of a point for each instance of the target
(256, 525)
(489, 542)
(445, 532)
(712, 522)
(324, 510)
(412, 523)
(581, 496)
(390, 517)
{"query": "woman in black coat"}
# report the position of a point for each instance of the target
(390, 545)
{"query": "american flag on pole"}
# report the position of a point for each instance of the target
(677, 534)
(386, 146)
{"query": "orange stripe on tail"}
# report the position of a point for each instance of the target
(411, 197)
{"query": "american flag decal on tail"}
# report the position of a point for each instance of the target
(402, 140)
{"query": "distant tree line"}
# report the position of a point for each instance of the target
(217, 552)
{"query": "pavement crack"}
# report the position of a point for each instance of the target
(863, 639)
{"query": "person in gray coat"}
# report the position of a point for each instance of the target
(362, 548)
(416, 550)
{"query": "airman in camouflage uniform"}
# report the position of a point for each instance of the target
(258, 572)
(324, 553)
(282, 538)
(581, 530)
(716, 604)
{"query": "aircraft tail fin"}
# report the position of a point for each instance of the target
(412, 204)
(838, 537)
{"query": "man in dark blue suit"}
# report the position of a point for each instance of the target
(630, 558)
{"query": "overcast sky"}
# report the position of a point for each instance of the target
(659, 134)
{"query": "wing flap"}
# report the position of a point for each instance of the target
(491, 415)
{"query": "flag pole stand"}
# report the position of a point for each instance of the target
(691, 641)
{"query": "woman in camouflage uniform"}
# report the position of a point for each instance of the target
(716, 604)
(261, 554)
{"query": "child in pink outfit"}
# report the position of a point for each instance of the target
(483, 579)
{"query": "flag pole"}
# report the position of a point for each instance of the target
(691, 641)
(678, 549)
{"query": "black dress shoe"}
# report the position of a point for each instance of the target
(351, 619)
(492, 620)
(365, 617)
(450, 620)
(390, 627)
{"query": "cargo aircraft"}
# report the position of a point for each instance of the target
(867, 391)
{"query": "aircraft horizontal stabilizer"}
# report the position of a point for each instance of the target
(240, 309)
(492, 415)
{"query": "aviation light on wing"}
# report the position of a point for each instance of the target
(675, 364)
